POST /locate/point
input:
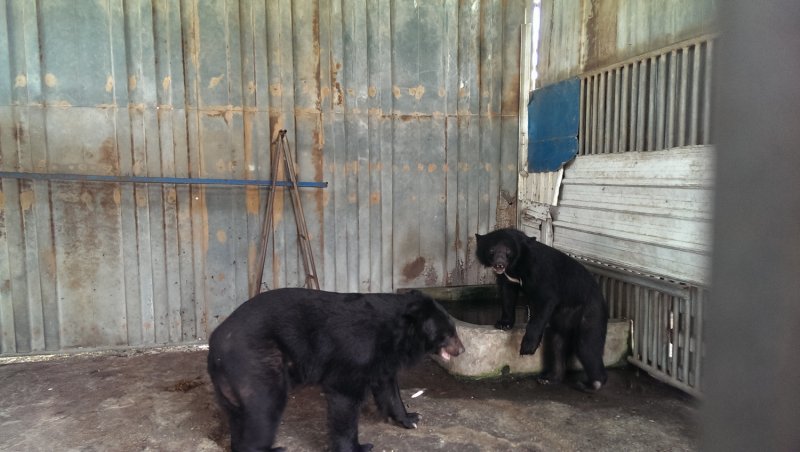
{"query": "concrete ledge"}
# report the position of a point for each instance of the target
(490, 352)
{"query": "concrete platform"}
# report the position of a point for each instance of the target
(490, 352)
(161, 400)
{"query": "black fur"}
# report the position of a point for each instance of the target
(563, 296)
(347, 343)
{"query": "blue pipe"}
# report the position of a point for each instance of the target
(157, 180)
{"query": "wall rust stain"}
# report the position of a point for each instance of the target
(249, 164)
(318, 162)
(414, 268)
(431, 277)
(215, 81)
(225, 113)
(109, 157)
(601, 33)
(375, 198)
(338, 98)
(417, 91)
(276, 123)
(26, 199)
(18, 133)
(252, 200)
(510, 99)
(50, 80)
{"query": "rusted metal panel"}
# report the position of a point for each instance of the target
(408, 109)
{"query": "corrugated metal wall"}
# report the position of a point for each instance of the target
(581, 35)
(409, 110)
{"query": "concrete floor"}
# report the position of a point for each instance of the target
(162, 400)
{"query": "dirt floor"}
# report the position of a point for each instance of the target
(162, 400)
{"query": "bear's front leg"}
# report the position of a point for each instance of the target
(530, 342)
(387, 397)
(343, 423)
(535, 328)
(508, 294)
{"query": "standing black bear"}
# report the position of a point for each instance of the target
(561, 294)
(347, 343)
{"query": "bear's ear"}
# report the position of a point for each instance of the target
(418, 306)
(478, 237)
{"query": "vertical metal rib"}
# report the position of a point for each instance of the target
(660, 101)
(651, 105)
(622, 144)
(595, 102)
(707, 93)
(581, 119)
(642, 108)
(672, 85)
(682, 95)
(614, 138)
(695, 95)
(601, 120)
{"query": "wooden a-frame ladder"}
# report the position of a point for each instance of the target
(281, 153)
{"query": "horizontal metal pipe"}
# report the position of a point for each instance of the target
(644, 56)
(673, 288)
(157, 180)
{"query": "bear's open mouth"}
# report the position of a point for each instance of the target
(452, 347)
(499, 268)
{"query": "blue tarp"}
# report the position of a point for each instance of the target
(553, 115)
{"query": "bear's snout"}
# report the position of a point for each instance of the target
(452, 347)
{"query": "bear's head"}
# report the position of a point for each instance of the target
(500, 249)
(431, 327)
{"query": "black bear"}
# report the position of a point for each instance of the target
(346, 343)
(563, 296)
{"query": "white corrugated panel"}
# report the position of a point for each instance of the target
(645, 211)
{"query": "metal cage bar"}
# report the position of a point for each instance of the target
(666, 320)
(656, 101)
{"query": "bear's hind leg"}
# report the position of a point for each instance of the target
(590, 354)
(555, 351)
(343, 422)
(260, 422)
(263, 389)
